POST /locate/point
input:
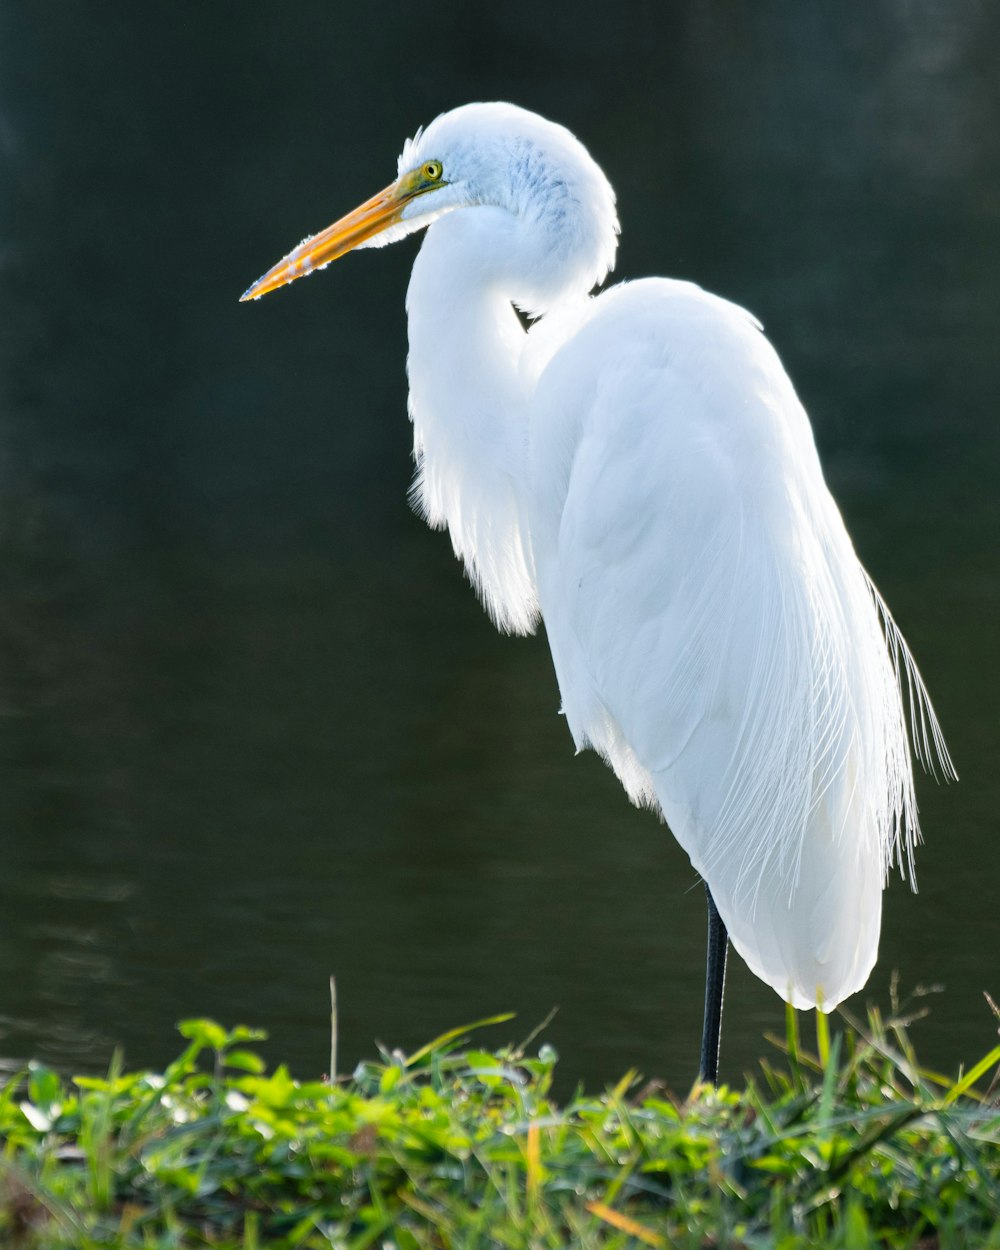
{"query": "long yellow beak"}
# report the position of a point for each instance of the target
(316, 252)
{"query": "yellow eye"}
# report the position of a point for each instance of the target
(432, 171)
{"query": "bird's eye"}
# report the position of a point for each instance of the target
(432, 171)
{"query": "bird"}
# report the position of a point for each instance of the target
(633, 470)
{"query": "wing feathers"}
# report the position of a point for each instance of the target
(716, 638)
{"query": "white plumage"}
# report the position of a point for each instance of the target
(636, 471)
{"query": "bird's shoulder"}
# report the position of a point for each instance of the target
(661, 318)
(658, 386)
(664, 300)
(670, 345)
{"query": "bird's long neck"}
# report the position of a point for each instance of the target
(469, 411)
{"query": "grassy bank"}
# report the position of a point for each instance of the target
(852, 1146)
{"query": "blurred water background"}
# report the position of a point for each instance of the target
(254, 728)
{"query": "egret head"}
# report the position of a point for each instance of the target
(479, 155)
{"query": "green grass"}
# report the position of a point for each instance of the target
(854, 1146)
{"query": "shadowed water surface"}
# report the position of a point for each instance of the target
(254, 728)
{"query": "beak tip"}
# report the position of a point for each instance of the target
(318, 250)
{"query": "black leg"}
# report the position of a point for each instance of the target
(715, 984)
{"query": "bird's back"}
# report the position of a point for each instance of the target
(713, 632)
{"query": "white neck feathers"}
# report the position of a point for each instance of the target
(469, 412)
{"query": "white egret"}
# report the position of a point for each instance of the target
(636, 471)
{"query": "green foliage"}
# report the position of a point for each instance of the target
(445, 1149)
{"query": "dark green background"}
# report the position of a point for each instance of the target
(254, 727)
